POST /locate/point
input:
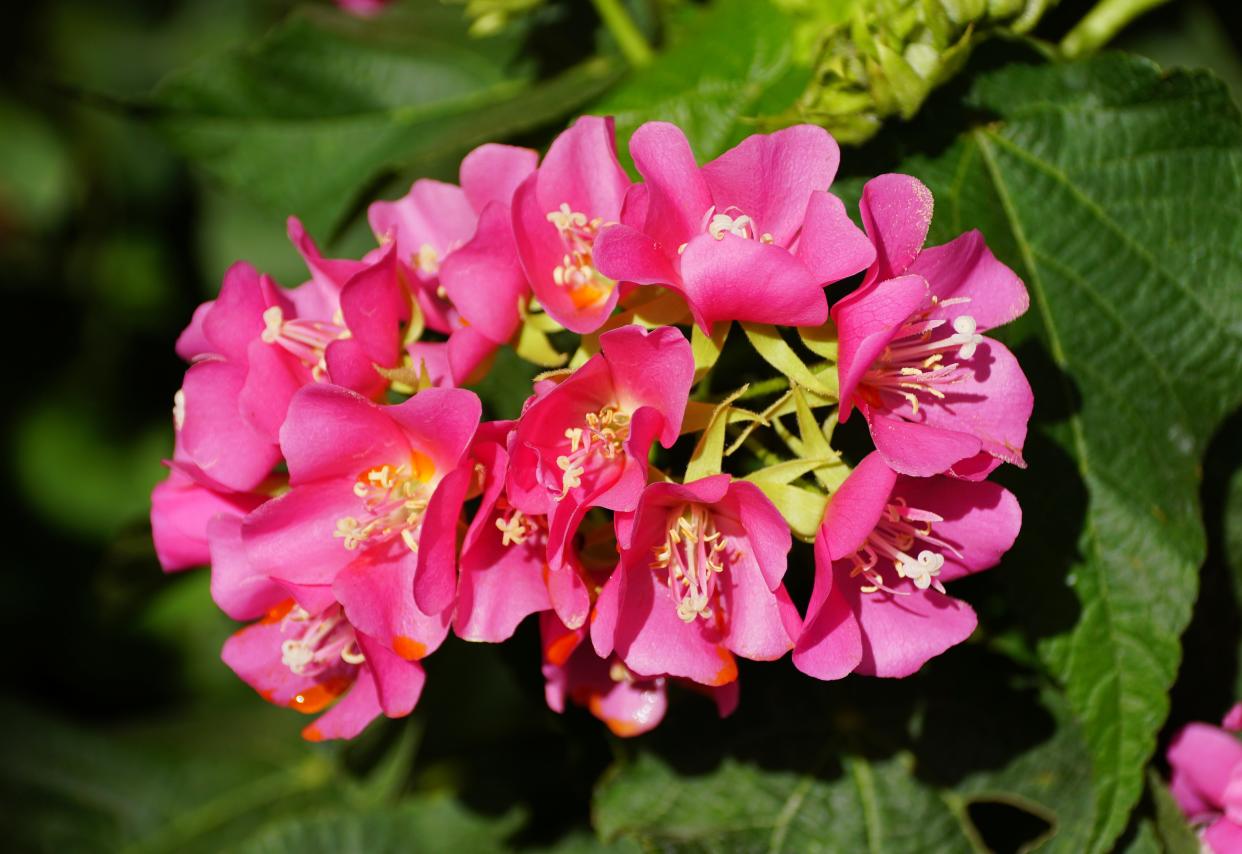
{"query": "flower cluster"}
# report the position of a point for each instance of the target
(1207, 780)
(336, 473)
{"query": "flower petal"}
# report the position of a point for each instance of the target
(896, 212)
(492, 172)
(830, 645)
(770, 177)
(830, 245)
(901, 633)
(745, 280)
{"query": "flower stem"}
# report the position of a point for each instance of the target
(1103, 22)
(618, 21)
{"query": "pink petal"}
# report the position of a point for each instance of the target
(1206, 757)
(756, 624)
(745, 280)
(628, 708)
(492, 172)
(236, 316)
(375, 305)
(651, 368)
(651, 639)
(254, 654)
(625, 254)
(192, 342)
(485, 279)
(432, 214)
(351, 714)
(981, 520)
(332, 432)
(901, 633)
(376, 591)
(181, 510)
(440, 422)
(1223, 837)
(214, 435)
(350, 366)
(272, 377)
(990, 401)
(830, 245)
(856, 507)
(830, 645)
(581, 169)
(767, 535)
(238, 588)
(499, 586)
(435, 582)
(292, 538)
(677, 194)
(469, 355)
(607, 611)
(319, 298)
(398, 682)
(541, 249)
(770, 178)
(896, 212)
(919, 450)
(867, 321)
(966, 268)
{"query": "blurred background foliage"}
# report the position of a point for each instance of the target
(120, 728)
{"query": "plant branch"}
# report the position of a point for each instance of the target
(634, 46)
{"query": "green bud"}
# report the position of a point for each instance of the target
(873, 59)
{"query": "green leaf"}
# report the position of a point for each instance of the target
(769, 344)
(430, 824)
(1115, 191)
(863, 765)
(707, 455)
(307, 117)
(1171, 826)
(731, 64)
(869, 807)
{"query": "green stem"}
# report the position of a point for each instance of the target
(618, 21)
(1102, 23)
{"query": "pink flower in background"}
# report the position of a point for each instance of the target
(584, 443)
(456, 244)
(375, 494)
(752, 236)
(557, 214)
(937, 395)
(699, 581)
(1207, 780)
(363, 8)
(887, 547)
(627, 703)
(313, 661)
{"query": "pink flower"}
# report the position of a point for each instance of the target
(557, 213)
(457, 245)
(628, 703)
(887, 547)
(503, 555)
(375, 494)
(1207, 781)
(310, 661)
(584, 443)
(256, 344)
(699, 581)
(363, 8)
(752, 236)
(937, 395)
(180, 511)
